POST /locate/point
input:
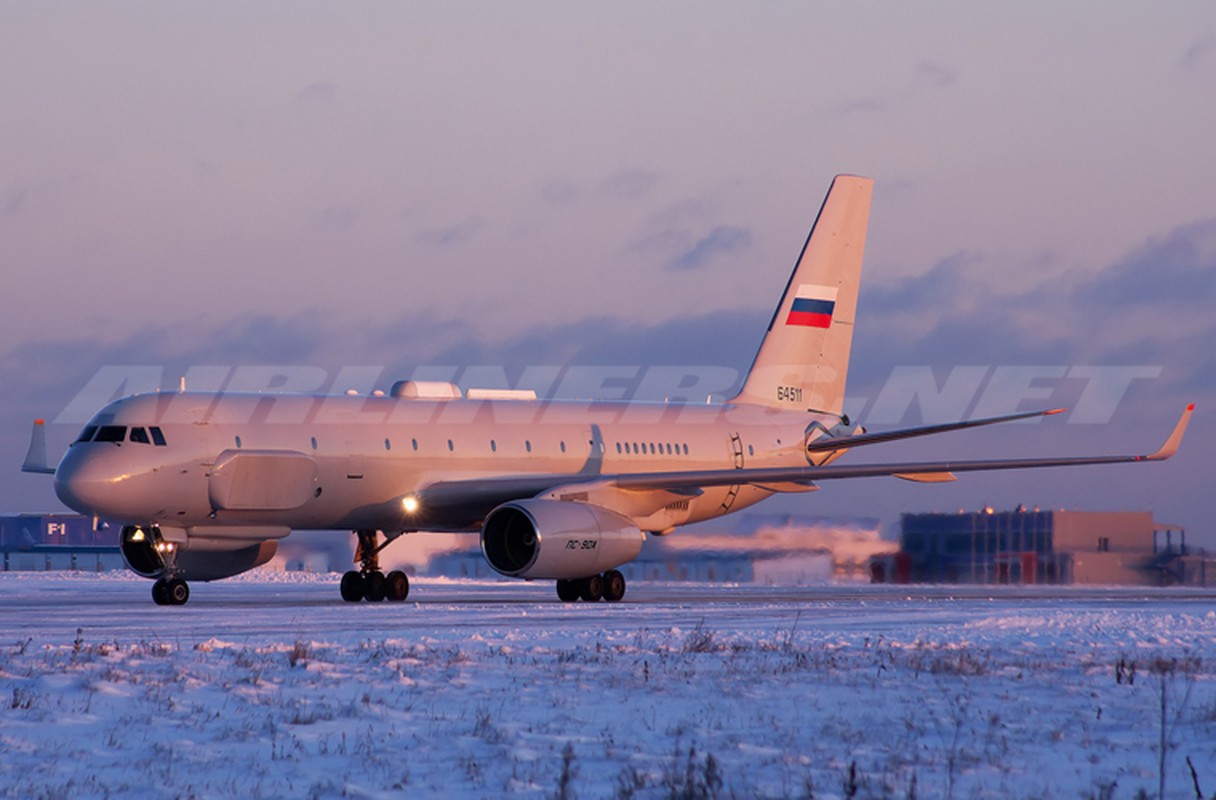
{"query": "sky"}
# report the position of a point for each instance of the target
(479, 188)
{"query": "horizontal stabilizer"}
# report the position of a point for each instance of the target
(842, 442)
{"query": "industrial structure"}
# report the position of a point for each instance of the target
(1029, 547)
(57, 541)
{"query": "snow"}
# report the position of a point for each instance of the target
(270, 686)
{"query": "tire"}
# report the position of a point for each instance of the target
(374, 586)
(178, 592)
(614, 586)
(592, 589)
(397, 586)
(352, 587)
(160, 593)
(568, 591)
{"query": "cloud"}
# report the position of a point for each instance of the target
(627, 184)
(945, 282)
(43, 377)
(13, 200)
(864, 105)
(318, 92)
(723, 239)
(938, 75)
(452, 235)
(336, 217)
(560, 193)
(1177, 270)
(1199, 51)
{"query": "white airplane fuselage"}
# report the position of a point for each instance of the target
(353, 462)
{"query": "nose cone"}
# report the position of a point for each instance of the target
(86, 482)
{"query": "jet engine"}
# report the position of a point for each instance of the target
(150, 554)
(556, 539)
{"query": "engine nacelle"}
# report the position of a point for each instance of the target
(556, 539)
(148, 553)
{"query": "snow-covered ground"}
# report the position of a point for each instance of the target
(270, 686)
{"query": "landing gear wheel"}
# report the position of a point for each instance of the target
(614, 586)
(177, 591)
(352, 587)
(568, 591)
(160, 592)
(592, 589)
(374, 585)
(397, 586)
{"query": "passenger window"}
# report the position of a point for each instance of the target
(111, 433)
(685, 449)
(493, 446)
(528, 445)
(618, 448)
(652, 448)
(140, 436)
(388, 445)
(158, 437)
(751, 451)
(669, 448)
(313, 442)
(563, 446)
(451, 445)
(87, 434)
(414, 443)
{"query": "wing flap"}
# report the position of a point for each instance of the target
(926, 477)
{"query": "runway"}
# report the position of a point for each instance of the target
(53, 606)
(271, 685)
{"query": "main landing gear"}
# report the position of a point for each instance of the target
(610, 586)
(170, 592)
(368, 582)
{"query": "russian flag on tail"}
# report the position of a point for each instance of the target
(813, 306)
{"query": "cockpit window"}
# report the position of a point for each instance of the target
(158, 438)
(86, 435)
(111, 433)
(140, 436)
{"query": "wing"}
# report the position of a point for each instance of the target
(728, 477)
(479, 496)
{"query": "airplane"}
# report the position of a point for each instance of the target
(205, 484)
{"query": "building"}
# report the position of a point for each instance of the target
(1028, 547)
(763, 549)
(57, 541)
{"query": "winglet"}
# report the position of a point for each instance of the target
(35, 457)
(1171, 444)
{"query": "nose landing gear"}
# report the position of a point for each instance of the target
(170, 592)
(368, 582)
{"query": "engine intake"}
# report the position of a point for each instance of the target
(555, 539)
(150, 555)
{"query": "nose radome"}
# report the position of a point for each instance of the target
(85, 483)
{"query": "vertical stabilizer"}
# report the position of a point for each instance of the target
(804, 359)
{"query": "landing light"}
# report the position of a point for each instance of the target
(409, 503)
